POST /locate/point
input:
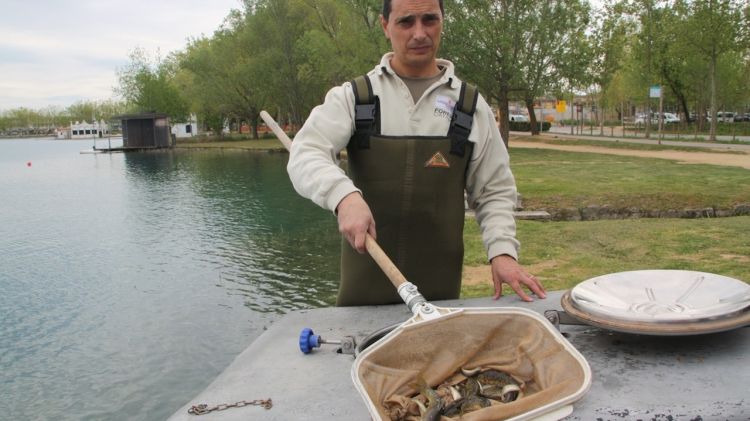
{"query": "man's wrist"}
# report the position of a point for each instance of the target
(503, 257)
(339, 194)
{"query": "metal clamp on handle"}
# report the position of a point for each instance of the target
(411, 296)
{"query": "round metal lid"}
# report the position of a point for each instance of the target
(666, 302)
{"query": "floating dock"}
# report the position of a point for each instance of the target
(634, 376)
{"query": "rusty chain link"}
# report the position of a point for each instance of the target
(203, 409)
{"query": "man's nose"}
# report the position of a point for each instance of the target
(419, 31)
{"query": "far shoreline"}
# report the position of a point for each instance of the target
(270, 144)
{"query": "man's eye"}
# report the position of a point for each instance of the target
(406, 22)
(429, 20)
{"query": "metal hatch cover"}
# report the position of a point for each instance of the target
(661, 302)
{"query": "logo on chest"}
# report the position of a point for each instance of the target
(437, 161)
(444, 107)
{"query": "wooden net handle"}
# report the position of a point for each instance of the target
(385, 263)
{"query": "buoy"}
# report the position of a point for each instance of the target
(28, 164)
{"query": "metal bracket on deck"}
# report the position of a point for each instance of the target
(560, 317)
(309, 340)
(348, 345)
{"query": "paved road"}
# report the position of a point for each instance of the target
(564, 131)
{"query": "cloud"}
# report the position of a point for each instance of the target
(52, 51)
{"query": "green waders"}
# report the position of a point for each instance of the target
(415, 189)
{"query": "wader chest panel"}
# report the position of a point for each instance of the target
(418, 206)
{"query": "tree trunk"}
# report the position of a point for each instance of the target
(503, 114)
(684, 106)
(253, 119)
(532, 116)
(712, 75)
(647, 119)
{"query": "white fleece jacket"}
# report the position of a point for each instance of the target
(490, 186)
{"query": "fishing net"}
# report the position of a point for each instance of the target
(551, 372)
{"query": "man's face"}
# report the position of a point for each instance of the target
(414, 28)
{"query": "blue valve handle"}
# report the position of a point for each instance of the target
(308, 340)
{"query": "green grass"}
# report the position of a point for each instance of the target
(562, 254)
(559, 179)
(615, 144)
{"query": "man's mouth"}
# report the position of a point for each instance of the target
(420, 48)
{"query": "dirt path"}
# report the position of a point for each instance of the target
(697, 157)
(477, 275)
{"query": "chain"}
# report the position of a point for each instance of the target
(203, 409)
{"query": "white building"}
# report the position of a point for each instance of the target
(83, 130)
(187, 129)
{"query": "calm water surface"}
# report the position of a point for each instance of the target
(129, 281)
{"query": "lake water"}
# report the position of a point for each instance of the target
(129, 281)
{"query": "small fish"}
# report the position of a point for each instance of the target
(472, 403)
(470, 399)
(447, 394)
(470, 372)
(469, 387)
(454, 408)
(504, 394)
(434, 407)
(495, 378)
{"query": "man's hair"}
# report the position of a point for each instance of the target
(387, 8)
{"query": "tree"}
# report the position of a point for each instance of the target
(714, 29)
(277, 25)
(342, 40)
(611, 32)
(644, 11)
(556, 50)
(503, 46)
(148, 86)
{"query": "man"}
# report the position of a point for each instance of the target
(415, 139)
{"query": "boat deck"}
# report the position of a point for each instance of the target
(701, 377)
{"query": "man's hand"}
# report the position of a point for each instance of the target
(355, 220)
(506, 269)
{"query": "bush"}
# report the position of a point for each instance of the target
(525, 126)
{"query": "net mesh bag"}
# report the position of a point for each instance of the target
(437, 350)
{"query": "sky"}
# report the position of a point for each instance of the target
(60, 52)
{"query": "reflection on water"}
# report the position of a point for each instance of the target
(131, 280)
(277, 250)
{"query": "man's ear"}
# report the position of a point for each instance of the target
(384, 24)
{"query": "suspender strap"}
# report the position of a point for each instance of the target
(366, 112)
(463, 118)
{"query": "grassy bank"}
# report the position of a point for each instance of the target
(552, 139)
(266, 143)
(559, 179)
(563, 254)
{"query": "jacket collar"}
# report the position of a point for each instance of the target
(449, 76)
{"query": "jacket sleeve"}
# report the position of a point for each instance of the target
(490, 186)
(313, 166)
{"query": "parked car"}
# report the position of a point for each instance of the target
(669, 118)
(723, 117)
(517, 117)
(742, 117)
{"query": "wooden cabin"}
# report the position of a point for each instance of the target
(145, 131)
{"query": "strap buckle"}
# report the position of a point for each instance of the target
(460, 130)
(462, 120)
(364, 112)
